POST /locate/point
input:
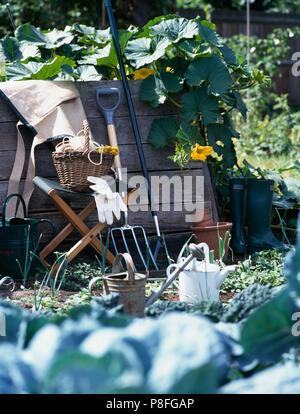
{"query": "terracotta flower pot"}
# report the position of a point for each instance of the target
(208, 233)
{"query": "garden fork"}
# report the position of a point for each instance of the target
(126, 229)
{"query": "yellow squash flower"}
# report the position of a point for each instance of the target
(201, 153)
(142, 73)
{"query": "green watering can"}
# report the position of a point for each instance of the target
(19, 236)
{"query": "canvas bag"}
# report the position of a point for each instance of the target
(45, 109)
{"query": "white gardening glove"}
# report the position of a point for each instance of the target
(107, 202)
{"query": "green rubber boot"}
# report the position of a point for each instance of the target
(259, 207)
(237, 206)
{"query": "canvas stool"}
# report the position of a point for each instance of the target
(76, 221)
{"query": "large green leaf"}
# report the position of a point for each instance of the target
(192, 48)
(114, 372)
(230, 124)
(37, 70)
(175, 29)
(125, 35)
(293, 187)
(155, 88)
(66, 73)
(198, 102)
(88, 73)
(267, 334)
(207, 34)
(229, 55)
(188, 134)
(31, 34)
(71, 50)
(221, 132)
(240, 105)
(29, 50)
(107, 56)
(10, 49)
(145, 32)
(172, 82)
(179, 65)
(50, 69)
(96, 38)
(19, 71)
(56, 38)
(212, 70)
(163, 131)
(104, 35)
(143, 51)
(81, 28)
(103, 57)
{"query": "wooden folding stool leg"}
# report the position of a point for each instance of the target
(75, 223)
(66, 231)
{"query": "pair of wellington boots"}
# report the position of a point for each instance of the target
(251, 206)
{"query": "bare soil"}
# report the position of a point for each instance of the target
(25, 296)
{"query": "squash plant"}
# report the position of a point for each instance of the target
(186, 63)
(197, 72)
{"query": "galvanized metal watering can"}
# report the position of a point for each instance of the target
(131, 285)
(18, 236)
(128, 284)
(200, 280)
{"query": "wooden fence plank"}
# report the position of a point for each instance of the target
(40, 202)
(128, 153)
(170, 221)
(88, 98)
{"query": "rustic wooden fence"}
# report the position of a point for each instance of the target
(172, 222)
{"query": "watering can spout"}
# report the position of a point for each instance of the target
(223, 274)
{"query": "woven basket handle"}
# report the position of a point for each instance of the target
(86, 135)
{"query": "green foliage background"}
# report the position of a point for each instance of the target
(57, 13)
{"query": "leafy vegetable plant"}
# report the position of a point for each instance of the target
(248, 346)
(201, 76)
(184, 62)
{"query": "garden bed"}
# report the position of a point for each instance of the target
(65, 299)
(265, 268)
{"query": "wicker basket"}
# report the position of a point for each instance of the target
(73, 167)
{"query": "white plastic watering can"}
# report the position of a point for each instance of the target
(200, 280)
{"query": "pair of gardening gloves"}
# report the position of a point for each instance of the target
(108, 203)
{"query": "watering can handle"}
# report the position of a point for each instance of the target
(52, 225)
(205, 249)
(116, 268)
(170, 267)
(5, 205)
